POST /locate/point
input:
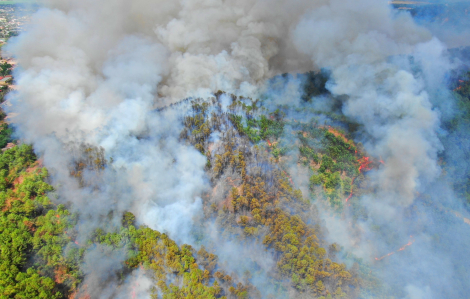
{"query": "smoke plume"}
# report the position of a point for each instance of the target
(94, 72)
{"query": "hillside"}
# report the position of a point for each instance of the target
(234, 149)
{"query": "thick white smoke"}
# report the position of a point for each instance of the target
(93, 72)
(390, 102)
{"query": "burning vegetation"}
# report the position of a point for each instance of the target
(252, 198)
(225, 196)
(264, 206)
(400, 249)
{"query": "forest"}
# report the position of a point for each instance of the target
(261, 202)
(34, 233)
(252, 199)
(41, 257)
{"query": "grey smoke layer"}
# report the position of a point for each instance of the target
(93, 71)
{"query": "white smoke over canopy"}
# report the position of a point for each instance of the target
(390, 102)
(93, 71)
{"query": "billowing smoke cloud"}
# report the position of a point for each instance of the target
(392, 74)
(93, 72)
(390, 102)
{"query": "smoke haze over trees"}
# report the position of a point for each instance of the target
(238, 149)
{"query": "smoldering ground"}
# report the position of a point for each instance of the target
(93, 72)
